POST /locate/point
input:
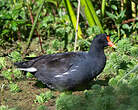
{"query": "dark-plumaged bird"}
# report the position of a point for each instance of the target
(65, 71)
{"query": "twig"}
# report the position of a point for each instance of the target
(129, 20)
(126, 21)
(76, 34)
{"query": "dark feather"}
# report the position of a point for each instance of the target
(67, 70)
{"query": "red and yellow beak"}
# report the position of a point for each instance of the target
(110, 43)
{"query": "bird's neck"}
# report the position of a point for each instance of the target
(96, 50)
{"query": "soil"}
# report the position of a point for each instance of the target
(25, 99)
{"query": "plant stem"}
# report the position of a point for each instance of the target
(118, 29)
(34, 24)
(103, 7)
(32, 20)
(76, 34)
(122, 5)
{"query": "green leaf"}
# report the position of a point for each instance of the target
(95, 17)
(14, 26)
(5, 31)
(55, 2)
(42, 107)
(14, 87)
(86, 10)
(125, 26)
(7, 74)
(18, 5)
(44, 97)
(114, 7)
(103, 7)
(73, 17)
(112, 16)
(137, 25)
(122, 31)
(122, 14)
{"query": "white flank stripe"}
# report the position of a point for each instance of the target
(31, 69)
(58, 75)
(73, 70)
(62, 74)
(65, 73)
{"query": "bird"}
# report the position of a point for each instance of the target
(68, 70)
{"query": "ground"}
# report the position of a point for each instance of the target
(26, 98)
(30, 87)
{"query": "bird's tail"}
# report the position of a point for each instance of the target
(25, 66)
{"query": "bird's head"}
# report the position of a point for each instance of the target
(103, 40)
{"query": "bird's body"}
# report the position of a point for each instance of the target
(64, 71)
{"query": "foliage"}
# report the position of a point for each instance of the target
(42, 107)
(101, 98)
(12, 16)
(29, 75)
(2, 62)
(3, 107)
(93, 31)
(44, 97)
(69, 102)
(15, 56)
(12, 74)
(134, 51)
(73, 17)
(14, 88)
(121, 61)
(117, 16)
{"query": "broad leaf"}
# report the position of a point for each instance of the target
(126, 26)
(114, 7)
(112, 16)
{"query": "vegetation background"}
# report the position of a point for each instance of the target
(30, 28)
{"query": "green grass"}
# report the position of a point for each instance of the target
(123, 97)
(44, 97)
(14, 88)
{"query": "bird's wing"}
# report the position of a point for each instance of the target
(54, 66)
(49, 68)
(58, 63)
(55, 63)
